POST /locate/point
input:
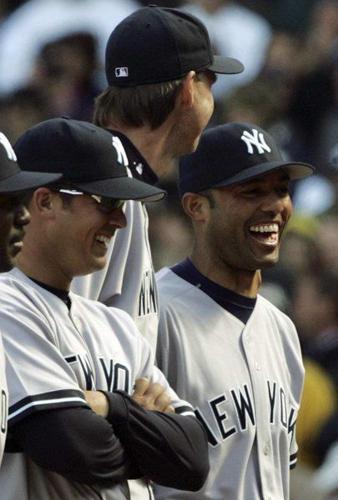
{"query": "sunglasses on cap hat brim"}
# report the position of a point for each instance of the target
(105, 203)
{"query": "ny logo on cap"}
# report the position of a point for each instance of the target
(8, 147)
(121, 153)
(121, 72)
(256, 139)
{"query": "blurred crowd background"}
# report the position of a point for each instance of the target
(51, 64)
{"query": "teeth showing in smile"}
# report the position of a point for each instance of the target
(268, 234)
(103, 239)
(265, 228)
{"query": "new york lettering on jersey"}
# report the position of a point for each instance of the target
(234, 411)
(245, 397)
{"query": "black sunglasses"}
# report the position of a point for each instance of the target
(105, 204)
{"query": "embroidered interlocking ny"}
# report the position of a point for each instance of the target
(255, 139)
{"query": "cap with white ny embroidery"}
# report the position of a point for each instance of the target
(231, 154)
(12, 178)
(90, 159)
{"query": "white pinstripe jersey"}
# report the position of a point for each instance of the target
(53, 354)
(128, 281)
(3, 401)
(244, 382)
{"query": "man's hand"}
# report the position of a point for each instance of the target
(152, 396)
(98, 402)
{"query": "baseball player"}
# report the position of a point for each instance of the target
(160, 69)
(82, 385)
(222, 346)
(13, 217)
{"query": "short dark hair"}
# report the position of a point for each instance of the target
(148, 104)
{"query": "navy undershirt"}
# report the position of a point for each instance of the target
(236, 304)
(62, 294)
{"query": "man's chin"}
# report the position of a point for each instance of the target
(263, 263)
(267, 263)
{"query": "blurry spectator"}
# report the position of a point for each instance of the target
(317, 424)
(315, 309)
(21, 110)
(170, 234)
(282, 57)
(311, 99)
(234, 30)
(37, 22)
(327, 244)
(297, 256)
(65, 71)
(285, 15)
(323, 31)
(305, 71)
(256, 102)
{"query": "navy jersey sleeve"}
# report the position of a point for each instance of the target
(170, 449)
(85, 449)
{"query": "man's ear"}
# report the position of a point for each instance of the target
(196, 206)
(42, 201)
(187, 91)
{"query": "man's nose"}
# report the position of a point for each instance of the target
(117, 218)
(274, 203)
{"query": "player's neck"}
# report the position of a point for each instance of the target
(40, 269)
(154, 145)
(244, 283)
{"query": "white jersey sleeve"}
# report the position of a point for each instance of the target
(127, 280)
(40, 376)
(54, 354)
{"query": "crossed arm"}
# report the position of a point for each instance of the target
(150, 396)
(119, 437)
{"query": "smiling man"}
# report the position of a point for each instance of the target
(89, 415)
(222, 346)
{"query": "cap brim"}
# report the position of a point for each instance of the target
(226, 65)
(123, 188)
(295, 170)
(24, 180)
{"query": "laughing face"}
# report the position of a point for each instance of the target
(247, 221)
(80, 235)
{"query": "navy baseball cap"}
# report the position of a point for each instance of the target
(12, 178)
(231, 154)
(87, 156)
(159, 44)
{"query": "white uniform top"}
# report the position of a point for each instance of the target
(244, 382)
(53, 354)
(128, 281)
(3, 401)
